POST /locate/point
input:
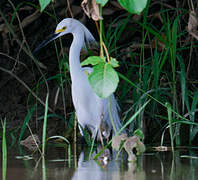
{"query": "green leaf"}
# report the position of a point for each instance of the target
(170, 121)
(93, 60)
(133, 6)
(102, 2)
(182, 75)
(43, 4)
(59, 137)
(4, 152)
(27, 119)
(134, 115)
(104, 79)
(114, 62)
(45, 125)
(139, 133)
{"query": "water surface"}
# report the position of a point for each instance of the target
(58, 166)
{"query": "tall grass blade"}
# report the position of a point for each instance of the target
(170, 120)
(193, 129)
(182, 75)
(154, 32)
(156, 68)
(174, 37)
(69, 156)
(4, 152)
(45, 125)
(44, 176)
(134, 116)
(92, 146)
(27, 119)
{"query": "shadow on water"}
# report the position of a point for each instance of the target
(57, 166)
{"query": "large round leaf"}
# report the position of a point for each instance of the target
(93, 60)
(104, 79)
(133, 6)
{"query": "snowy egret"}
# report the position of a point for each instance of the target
(91, 110)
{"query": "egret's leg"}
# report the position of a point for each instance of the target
(83, 142)
(100, 136)
(94, 132)
(101, 129)
(82, 139)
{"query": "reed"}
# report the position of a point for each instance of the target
(4, 152)
(45, 126)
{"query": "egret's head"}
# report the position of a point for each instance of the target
(68, 25)
(64, 27)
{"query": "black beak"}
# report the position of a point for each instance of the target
(44, 43)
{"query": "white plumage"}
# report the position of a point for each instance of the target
(91, 110)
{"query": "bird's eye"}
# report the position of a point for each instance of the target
(64, 28)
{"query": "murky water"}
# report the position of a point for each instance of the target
(57, 166)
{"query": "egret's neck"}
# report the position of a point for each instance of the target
(74, 54)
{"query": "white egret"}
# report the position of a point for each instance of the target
(91, 110)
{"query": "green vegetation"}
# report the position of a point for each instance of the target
(4, 152)
(153, 75)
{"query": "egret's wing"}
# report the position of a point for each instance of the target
(89, 39)
(114, 111)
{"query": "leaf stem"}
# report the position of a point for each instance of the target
(106, 51)
(101, 29)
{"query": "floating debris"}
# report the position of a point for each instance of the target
(31, 142)
(132, 145)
